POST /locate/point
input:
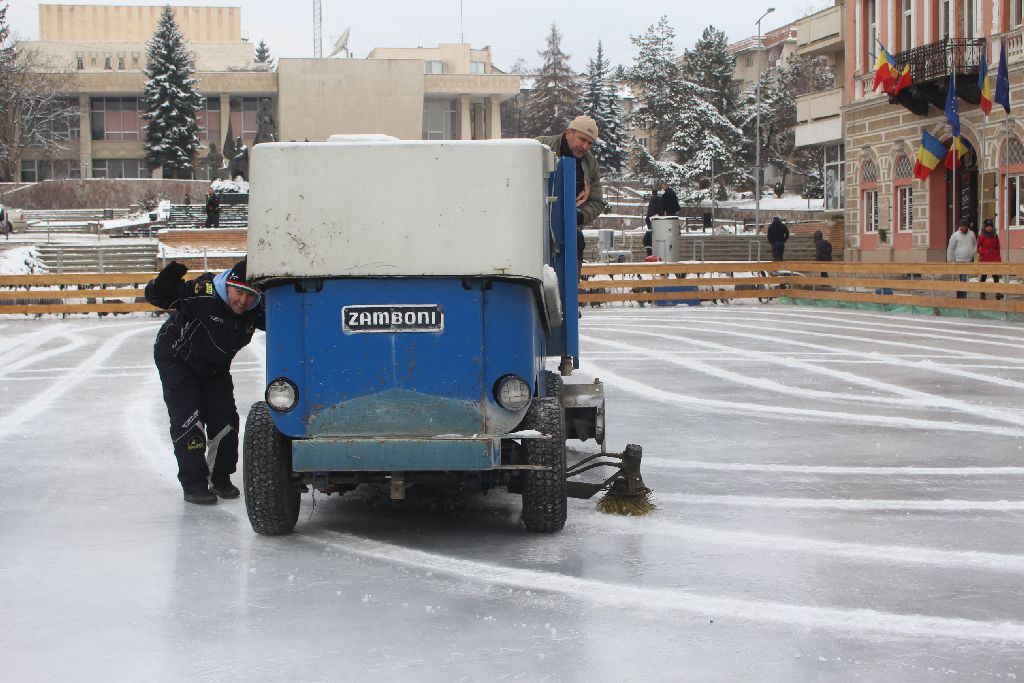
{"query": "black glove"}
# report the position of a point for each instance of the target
(166, 283)
(579, 218)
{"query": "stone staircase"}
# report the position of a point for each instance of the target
(194, 216)
(67, 220)
(94, 258)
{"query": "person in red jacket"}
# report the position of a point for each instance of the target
(988, 249)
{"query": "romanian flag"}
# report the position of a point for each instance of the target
(886, 72)
(985, 84)
(957, 151)
(903, 81)
(929, 156)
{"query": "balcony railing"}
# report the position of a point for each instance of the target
(939, 60)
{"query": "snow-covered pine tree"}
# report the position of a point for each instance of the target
(599, 101)
(172, 135)
(705, 145)
(655, 78)
(710, 64)
(555, 96)
(263, 54)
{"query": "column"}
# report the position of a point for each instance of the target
(225, 118)
(84, 135)
(465, 121)
(493, 118)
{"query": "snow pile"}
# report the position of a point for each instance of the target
(237, 186)
(21, 261)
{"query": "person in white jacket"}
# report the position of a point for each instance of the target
(963, 245)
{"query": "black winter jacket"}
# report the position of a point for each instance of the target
(202, 331)
(777, 231)
(670, 202)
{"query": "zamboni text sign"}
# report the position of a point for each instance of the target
(392, 318)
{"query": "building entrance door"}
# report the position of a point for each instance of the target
(965, 203)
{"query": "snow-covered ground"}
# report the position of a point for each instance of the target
(840, 498)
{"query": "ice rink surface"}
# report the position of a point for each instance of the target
(840, 498)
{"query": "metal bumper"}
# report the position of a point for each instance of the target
(353, 454)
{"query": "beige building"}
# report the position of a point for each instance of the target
(448, 92)
(890, 214)
(819, 115)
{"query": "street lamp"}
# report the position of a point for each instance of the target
(757, 130)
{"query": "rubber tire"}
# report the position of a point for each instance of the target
(271, 497)
(544, 492)
(552, 383)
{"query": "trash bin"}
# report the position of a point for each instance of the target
(706, 219)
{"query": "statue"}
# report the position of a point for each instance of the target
(266, 129)
(239, 165)
(214, 162)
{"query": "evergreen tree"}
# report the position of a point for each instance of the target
(555, 95)
(655, 78)
(263, 55)
(600, 102)
(706, 145)
(172, 135)
(710, 64)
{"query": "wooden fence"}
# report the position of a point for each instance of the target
(909, 284)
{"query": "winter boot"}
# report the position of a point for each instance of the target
(983, 296)
(998, 297)
(224, 488)
(199, 495)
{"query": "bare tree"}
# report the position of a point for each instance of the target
(35, 109)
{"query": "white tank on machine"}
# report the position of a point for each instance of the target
(665, 237)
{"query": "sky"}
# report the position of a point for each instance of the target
(512, 30)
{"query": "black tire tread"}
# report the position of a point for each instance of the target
(544, 492)
(271, 497)
(552, 383)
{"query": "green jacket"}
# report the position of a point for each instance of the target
(593, 205)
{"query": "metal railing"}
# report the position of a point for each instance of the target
(938, 60)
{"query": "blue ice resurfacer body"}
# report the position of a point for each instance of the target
(414, 292)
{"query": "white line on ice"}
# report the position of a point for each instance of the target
(909, 470)
(710, 405)
(662, 599)
(911, 397)
(757, 382)
(886, 554)
(847, 503)
(46, 397)
(954, 336)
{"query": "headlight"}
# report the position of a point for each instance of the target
(282, 394)
(512, 392)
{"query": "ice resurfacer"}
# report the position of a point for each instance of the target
(414, 291)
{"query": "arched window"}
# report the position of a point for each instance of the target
(869, 195)
(903, 189)
(1012, 160)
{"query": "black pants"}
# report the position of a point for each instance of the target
(204, 423)
(777, 250)
(213, 220)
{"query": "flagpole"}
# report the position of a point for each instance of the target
(956, 199)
